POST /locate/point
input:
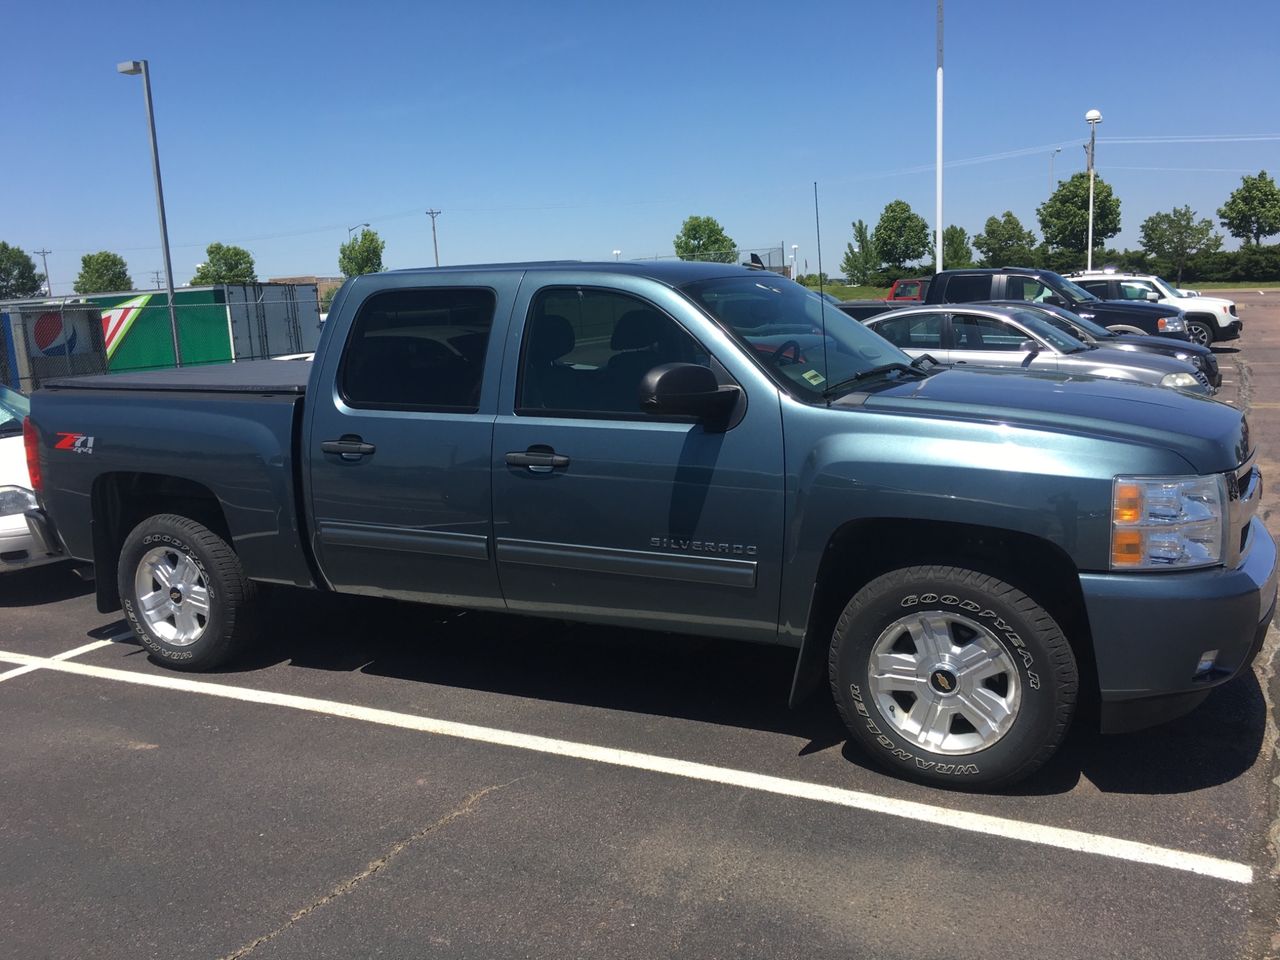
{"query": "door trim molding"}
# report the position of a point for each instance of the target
(440, 543)
(633, 563)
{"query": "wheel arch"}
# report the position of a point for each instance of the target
(122, 500)
(1036, 566)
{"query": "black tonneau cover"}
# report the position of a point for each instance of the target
(249, 376)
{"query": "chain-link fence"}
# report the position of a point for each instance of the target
(44, 340)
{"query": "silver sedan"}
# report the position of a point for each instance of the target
(1011, 336)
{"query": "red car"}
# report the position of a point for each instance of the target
(908, 289)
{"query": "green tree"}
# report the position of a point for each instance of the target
(702, 238)
(956, 252)
(1064, 217)
(901, 235)
(361, 254)
(326, 298)
(1004, 242)
(1176, 236)
(103, 272)
(225, 264)
(18, 277)
(1253, 209)
(860, 257)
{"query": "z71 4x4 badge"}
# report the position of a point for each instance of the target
(75, 442)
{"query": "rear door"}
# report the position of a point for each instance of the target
(604, 513)
(399, 443)
(916, 333)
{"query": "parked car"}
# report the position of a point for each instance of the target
(956, 554)
(1201, 357)
(1209, 319)
(20, 545)
(913, 289)
(1045, 286)
(1020, 338)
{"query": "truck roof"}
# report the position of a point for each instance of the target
(673, 272)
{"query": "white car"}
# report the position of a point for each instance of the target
(19, 545)
(1209, 319)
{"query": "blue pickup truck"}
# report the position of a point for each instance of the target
(962, 556)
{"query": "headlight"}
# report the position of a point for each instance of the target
(1175, 324)
(1159, 523)
(16, 500)
(1179, 381)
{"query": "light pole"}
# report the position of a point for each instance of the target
(617, 254)
(795, 260)
(351, 230)
(1093, 118)
(133, 68)
(1056, 151)
(937, 250)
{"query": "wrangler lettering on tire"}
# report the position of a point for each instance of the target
(951, 676)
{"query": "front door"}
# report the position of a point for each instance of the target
(604, 513)
(399, 449)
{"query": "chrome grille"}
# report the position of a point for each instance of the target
(1244, 491)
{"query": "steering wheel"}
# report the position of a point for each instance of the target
(778, 355)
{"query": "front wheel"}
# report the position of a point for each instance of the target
(1200, 333)
(185, 593)
(952, 677)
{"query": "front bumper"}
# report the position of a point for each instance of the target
(1230, 331)
(27, 541)
(1149, 631)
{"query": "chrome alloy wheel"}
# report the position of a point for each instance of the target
(173, 597)
(944, 682)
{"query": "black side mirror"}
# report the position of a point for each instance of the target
(1055, 300)
(687, 389)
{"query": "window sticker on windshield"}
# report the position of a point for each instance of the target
(814, 377)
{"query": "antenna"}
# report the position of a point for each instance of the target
(822, 301)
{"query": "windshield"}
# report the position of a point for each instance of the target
(1077, 292)
(1167, 288)
(13, 407)
(786, 328)
(1039, 324)
(1072, 323)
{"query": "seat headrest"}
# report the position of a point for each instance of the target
(637, 330)
(552, 338)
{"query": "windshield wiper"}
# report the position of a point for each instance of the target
(884, 368)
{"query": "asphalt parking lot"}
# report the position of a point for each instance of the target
(383, 780)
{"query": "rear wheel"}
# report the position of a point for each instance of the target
(185, 593)
(952, 677)
(1200, 332)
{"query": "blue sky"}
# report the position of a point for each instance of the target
(568, 130)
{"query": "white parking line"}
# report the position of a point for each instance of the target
(66, 655)
(1079, 841)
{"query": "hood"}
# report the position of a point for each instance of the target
(1129, 307)
(1210, 436)
(1163, 345)
(1127, 359)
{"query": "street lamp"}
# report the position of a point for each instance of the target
(1056, 151)
(795, 261)
(617, 254)
(351, 230)
(1093, 118)
(133, 68)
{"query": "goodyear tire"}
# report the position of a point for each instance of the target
(952, 677)
(185, 593)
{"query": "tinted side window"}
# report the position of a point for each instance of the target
(1097, 287)
(1026, 288)
(919, 332)
(984, 333)
(418, 349)
(586, 351)
(966, 288)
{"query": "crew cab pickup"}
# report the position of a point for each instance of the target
(1045, 286)
(695, 448)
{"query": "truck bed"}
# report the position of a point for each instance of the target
(250, 376)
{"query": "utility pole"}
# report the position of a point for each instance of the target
(44, 258)
(938, 159)
(1093, 118)
(155, 277)
(435, 246)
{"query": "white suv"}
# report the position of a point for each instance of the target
(1209, 319)
(19, 547)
